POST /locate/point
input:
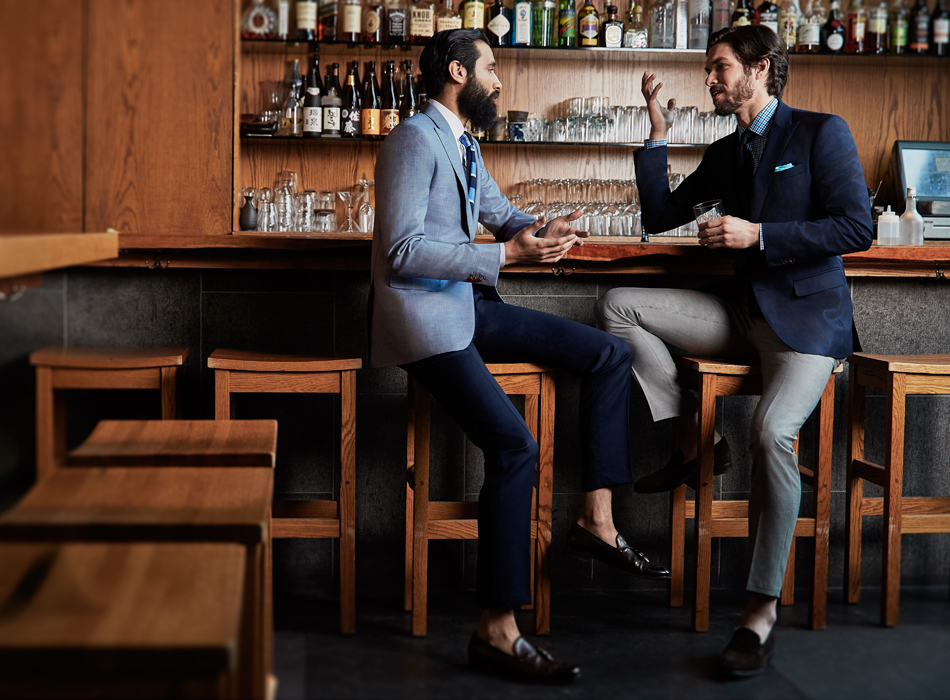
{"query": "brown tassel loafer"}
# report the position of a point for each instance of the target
(677, 472)
(745, 655)
(585, 545)
(528, 664)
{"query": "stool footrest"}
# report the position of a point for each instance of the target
(919, 514)
(869, 471)
(305, 528)
(453, 510)
(284, 382)
(462, 530)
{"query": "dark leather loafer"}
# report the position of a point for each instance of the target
(529, 664)
(677, 472)
(585, 544)
(745, 656)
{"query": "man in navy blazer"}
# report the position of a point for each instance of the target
(435, 313)
(794, 199)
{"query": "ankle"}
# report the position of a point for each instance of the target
(498, 628)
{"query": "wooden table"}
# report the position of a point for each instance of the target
(24, 256)
(178, 443)
(165, 504)
(120, 620)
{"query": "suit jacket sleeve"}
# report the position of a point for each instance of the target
(661, 209)
(408, 163)
(496, 213)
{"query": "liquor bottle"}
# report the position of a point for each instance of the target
(588, 21)
(833, 33)
(809, 28)
(312, 114)
(721, 14)
(327, 19)
(389, 113)
(355, 67)
(373, 16)
(681, 24)
(788, 23)
(408, 108)
(421, 21)
(306, 20)
(698, 24)
(447, 18)
(857, 28)
(422, 99)
(522, 33)
(767, 14)
(611, 31)
(898, 33)
(744, 13)
(473, 14)
(661, 28)
(544, 23)
(259, 21)
(911, 225)
(397, 22)
(499, 24)
(283, 20)
(566, 24)
(919, 28)
(291, 117)
(940, 29)
(293, 81)
(332, 103)
(369, 114)
(351, 112)
(636, 35)
(351, 21)
(313, 74)
(876, 39)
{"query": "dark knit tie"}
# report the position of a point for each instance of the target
(746, 171)
(471, 165)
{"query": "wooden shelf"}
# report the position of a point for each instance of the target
(29, 254)
(499, 144)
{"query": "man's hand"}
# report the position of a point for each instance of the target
(661, 120)
(729, 232)
(561, 227)
(525, 247)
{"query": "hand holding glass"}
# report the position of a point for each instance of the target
(708, 211)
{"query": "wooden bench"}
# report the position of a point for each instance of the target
(59, 369)
(165, 504)
(120, 620)
(178, 443)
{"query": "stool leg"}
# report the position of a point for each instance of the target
(410, 471)
(50, 424)
(348, 502)
(855, 489)
(420, 515)
(677, 544)
(222, 394)
(169, 383)
(704, 498)
(542, 577)
(894, 476)
(821, 488)
(788, 583)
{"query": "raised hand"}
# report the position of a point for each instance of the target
(561, 226)
(661, 119)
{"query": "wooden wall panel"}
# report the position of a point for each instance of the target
(160, 116)
(41, 123)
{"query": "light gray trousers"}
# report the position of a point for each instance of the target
(661, 322)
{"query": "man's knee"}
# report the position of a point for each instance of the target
(609, 309)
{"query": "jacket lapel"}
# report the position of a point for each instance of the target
(779, 135)
(444, 134)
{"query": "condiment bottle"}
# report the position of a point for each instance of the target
(911, 223)
(888, 228)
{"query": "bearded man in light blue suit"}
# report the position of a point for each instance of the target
(434, 311)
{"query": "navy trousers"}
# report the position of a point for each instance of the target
(463, 386)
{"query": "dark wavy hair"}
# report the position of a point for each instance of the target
(751, 44)
(441, 50)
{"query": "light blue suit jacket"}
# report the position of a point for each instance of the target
(425, 259)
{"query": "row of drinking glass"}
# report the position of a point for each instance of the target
(283, 209)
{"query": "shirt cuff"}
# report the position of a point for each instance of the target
(655, 143)
(761, 239)
(501, 254)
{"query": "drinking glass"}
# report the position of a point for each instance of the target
(267, 217)
(324, 220)
(367, 215)
(305, 206)
(708, 211)
(286, 208)
(287, 178)
(349, 199)
(270, 98)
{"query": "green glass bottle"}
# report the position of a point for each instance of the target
(567, 24)
(543, 23)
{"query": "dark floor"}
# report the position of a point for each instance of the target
(628, 646)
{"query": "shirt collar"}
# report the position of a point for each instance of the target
(763, 120)
(455, 124)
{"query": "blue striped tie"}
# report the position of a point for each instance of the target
(470, 162)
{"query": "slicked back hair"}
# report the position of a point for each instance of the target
(442, 49)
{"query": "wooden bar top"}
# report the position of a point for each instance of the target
(178, 443)
(118, 504)
(30, 253)
(119, 610)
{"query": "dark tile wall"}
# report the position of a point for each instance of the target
(324, 312)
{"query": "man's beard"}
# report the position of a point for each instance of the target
(476, 103)
(731, 103)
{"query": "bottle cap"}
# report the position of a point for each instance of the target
(911, 191)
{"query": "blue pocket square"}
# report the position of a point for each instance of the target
(784, 167)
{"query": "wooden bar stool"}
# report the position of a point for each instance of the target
(712, 378)
(120, 620)
(238, 371)
(432, 520)
(898, 376)
(59, 369)
(166, 504)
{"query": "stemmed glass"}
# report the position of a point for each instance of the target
(349, 199)
(367, 215)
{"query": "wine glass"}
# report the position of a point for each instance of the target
(349, 199)
(367, 215)
(287, 178)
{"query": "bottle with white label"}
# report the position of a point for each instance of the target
(888, 228)
(721, 14)
(911, 223)
(312, 114)
(332, 104)
(283, 19)
(499, 24)
(522, 20)
(681, 24)
(698, 24)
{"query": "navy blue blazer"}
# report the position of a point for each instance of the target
(810, 197)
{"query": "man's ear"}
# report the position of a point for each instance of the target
(762, 68)
(457, 72)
